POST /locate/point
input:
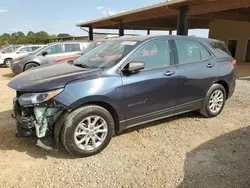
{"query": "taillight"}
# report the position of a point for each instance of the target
(234, 63)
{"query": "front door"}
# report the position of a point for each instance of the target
(149, 92)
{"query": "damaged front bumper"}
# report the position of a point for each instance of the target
(44, 121)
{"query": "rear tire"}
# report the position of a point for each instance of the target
(7, 62)
(87, 131)
(214, 101)
(30, 65)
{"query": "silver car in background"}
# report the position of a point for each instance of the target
(53, 52)
(14, 52)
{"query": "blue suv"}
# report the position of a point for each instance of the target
(122, 83)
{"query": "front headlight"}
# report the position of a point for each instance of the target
(35, 98)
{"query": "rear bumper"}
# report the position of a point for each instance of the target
(231, 90)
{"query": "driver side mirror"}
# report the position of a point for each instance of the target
(44, 53)
(133, 67)
(70, 61)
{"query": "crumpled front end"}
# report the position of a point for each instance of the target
(34, 118)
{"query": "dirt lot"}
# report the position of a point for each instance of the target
(184, 151)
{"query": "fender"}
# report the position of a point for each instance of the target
(92, 99)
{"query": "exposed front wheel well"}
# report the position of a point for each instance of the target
(24, 68)
(7, 59)
(110, 109)
(225, 85)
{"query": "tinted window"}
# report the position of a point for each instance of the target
(72, 47)
(154, 54)
(190, 51)
(25, 50)
(55, 49)
(204, 53)
(220, 46)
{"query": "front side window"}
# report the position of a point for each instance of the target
(55, 49)
(72, 47)
(106, 55)
(25, 50)
(155, 54)
(190, 51)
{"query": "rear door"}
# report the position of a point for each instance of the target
(196, 69)
(70, 51)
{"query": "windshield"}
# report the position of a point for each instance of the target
(105, 55)
(90, 47)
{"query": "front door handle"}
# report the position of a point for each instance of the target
(210, 65)
(169, 73)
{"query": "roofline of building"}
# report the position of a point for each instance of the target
(133, 11)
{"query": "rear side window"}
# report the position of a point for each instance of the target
(190, 51)
(221, 47)
(72, 47)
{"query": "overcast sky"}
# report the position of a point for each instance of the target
(60, 16)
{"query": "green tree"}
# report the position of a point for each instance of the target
(31, 37)
(61, 35)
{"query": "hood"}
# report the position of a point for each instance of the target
(23, 56)
(50, 77)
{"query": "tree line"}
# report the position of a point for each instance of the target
(31, 37)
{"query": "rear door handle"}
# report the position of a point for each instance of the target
(169, 73)
(210, 65)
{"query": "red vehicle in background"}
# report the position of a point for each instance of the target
(75, 56)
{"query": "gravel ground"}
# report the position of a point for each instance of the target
(183, 151)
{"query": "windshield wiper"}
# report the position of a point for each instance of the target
(82, 65)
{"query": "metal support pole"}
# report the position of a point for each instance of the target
(121, 29)
(91, 36)
(148, 31)
(182, 25)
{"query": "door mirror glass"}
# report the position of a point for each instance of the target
(44, 53)
(134, 66)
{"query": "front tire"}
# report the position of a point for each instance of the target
(87, 131)
(30, 65)
(7, 62)
(214, 101)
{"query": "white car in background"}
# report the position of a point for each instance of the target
(7, 56)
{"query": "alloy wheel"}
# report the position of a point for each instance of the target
(90, 133)
(8, 63)
(216, 101)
